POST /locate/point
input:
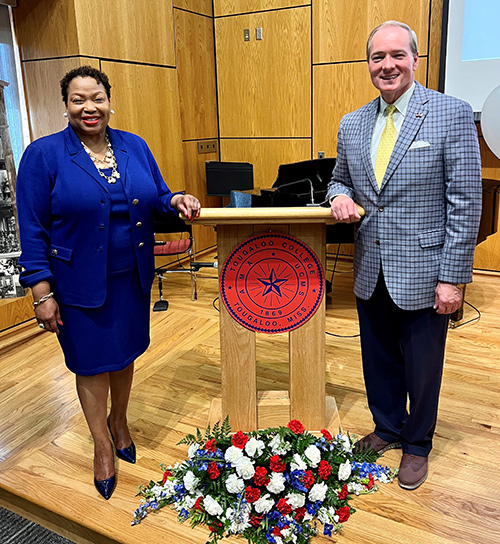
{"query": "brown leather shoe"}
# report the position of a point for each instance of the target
(412, 471)
(372, 441)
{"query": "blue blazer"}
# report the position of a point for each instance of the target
(421, 225)
(64, 213)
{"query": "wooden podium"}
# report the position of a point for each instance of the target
(247, 408)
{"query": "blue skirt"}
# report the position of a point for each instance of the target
(108, 338)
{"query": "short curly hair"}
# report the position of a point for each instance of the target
(84, 71)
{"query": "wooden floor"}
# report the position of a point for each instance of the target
(46, 450)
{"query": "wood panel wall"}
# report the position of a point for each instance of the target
(307, 72)
(266, 102)
(233, 7)
(265, 86)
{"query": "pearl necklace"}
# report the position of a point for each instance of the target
(108, 161)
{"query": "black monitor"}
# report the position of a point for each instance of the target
(303, 183)
(224, 177)
(319, 171)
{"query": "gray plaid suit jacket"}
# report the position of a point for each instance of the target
(421, 225)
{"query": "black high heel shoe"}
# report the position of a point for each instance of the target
(125, 454)
(106, 487)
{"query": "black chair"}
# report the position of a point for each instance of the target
(183, 246)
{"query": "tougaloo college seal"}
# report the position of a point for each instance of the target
(272, 283)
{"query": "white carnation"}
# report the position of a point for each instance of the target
(189, 502)
(296, 500)
(355, 487)
(234, 484)
(264, 504)
(313, 454)
(169, 488)
(166, 491)
(254, 447)
(278, 447)
(318, 492)
(345, 471)
(190, 480)
(383, 478)
(212, 506)
(233, 454)
(240, 519)
(244, 467)
(307, 517)
(346, 442)
(192, 450)
(298, 463)
(323, 516)
(276, 483)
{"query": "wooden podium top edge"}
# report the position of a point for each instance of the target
(269, 216)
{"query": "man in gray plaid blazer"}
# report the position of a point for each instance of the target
(415, 244)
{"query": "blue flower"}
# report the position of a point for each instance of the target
(312, 508)
(274, 515)
(184, 513)
(296, 480)
(327, 531)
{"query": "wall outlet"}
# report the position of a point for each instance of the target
(208, 146)
(258, 33)
(321, 154)
(246, 34)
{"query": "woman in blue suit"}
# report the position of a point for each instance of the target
(86, 198)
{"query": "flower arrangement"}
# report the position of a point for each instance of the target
(268, 486)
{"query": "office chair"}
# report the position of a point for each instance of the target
(182, 246)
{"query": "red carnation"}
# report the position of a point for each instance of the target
(371, 481)
(299, 514)
(326, 434)
(296, 426)
(166, 474)
(283, 507)
(215, 526)
(276, 531)
(255, 521)
(342, 494)
(213, 470)
(260, 477)
(343, 514)
(252, 494)
(277, 464)
(324, 470)
(197, 504)
(308, 479)
(210, 446)
(240, 440)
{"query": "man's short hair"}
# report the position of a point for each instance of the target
(411, 34)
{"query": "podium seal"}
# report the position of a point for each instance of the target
(272, 283)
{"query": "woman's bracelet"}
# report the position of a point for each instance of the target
(42, 300)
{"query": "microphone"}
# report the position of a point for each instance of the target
(311, 188)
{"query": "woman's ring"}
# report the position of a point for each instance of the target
(41, 325)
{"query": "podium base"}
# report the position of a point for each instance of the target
(273, 410)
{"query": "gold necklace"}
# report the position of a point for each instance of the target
(109, 160)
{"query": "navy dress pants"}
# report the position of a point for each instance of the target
(403, 355)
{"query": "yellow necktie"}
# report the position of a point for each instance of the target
(386, 145)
